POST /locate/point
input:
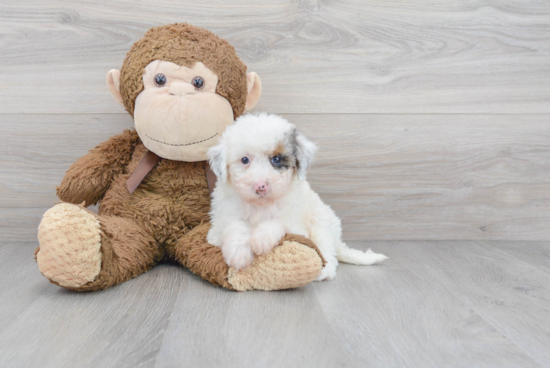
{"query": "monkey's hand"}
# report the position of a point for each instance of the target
(90, 176)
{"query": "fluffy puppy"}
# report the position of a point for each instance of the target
(261, 194)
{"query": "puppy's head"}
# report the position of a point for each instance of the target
(260, 155)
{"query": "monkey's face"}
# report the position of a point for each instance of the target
(178, 115)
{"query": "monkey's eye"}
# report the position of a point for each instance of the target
(160, 80)
(245, 160)
(198, 82)
(276, 160)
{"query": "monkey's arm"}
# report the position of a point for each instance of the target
(90, 176)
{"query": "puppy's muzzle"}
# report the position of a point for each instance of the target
(261, 188)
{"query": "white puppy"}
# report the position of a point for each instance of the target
(261, 194)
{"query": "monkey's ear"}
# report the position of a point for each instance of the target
(254, 87)
(113, 82)
(305, 150)
(217, 159)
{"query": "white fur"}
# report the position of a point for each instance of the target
(246, 222)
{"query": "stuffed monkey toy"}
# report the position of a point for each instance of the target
(183, 86)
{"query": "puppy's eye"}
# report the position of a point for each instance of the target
(160, 80)
(198, 82)
(245, 160)
(276, 160)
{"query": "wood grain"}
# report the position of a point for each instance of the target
(431, 304)
(21, 283)
(346, 56)
(119, 327)
(434, 176)
(387, 176)
(534, 253)
(511, 295)
(396, 313)
(433, 122)
(218, 328)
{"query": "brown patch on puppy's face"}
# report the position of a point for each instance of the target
(265, 176)
(261, 155)
(284, 156)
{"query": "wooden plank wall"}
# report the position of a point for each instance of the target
(433, 118)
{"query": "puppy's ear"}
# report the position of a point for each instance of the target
(218, 160)
(305, 150)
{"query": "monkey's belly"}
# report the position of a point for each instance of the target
(171, 200)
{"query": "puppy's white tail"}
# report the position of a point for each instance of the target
(357, 257)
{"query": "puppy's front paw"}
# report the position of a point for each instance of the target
(237, 253)
(265, 238)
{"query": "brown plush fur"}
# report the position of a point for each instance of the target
(272, 271)
(143, 228)
(184, 44)
(165, 219)
(304, 241)
(88, 179)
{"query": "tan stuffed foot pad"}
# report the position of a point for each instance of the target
(70, 245)
(287, 266)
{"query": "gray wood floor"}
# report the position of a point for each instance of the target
(432, 304)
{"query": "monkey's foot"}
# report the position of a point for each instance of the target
(70, 245)
(296, 262)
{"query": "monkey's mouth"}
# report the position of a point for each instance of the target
(182, 144)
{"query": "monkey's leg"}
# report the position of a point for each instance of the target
(295, 262)
(83, 251)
